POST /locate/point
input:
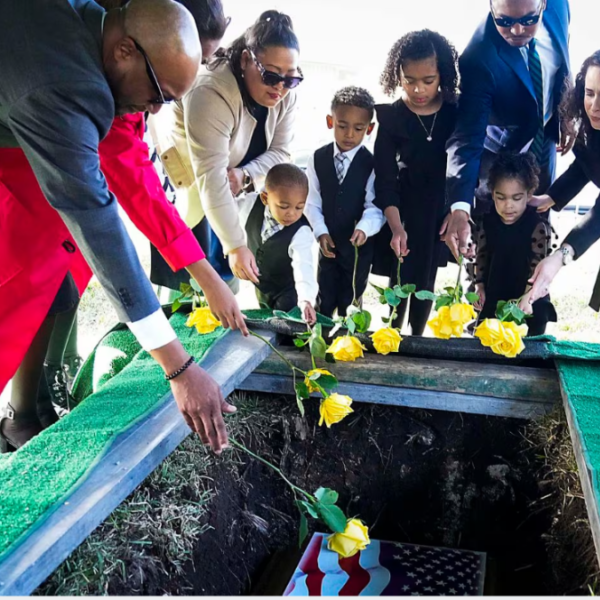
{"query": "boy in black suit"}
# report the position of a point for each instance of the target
(280, 238)
(340, 204)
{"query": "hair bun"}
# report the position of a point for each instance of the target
(277, 18)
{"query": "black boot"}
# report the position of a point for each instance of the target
(45, 409)
(17, 428)
(58, 386)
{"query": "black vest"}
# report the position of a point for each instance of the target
(343, 205)
(272, 257)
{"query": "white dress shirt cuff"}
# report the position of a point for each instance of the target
(319, 230)
(153, 331)
(371, 225)
(461, 206)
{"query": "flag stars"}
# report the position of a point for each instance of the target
(412, 574)
(453, 591)
(405, 588)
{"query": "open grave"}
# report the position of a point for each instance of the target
(435, 454)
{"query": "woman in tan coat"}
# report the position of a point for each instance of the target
(229, 130)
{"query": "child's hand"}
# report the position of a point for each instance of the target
(327, 245)
(308, 313)
(526, 305)
(399, 243)
(358, 238)
(480, 291)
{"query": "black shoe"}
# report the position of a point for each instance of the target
(58, 386)
(45, 409)
(72, 366)
(16, 429)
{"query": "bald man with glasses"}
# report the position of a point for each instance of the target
(513, 75)
(59, 93)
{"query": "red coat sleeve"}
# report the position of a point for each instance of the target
(132, 178)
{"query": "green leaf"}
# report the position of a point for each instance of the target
(300, 404)
(299, 343)
(471, 297)
(352, 310)
(380, 290)
(443, 301)
(326, 496)
(303, 531)
(425, 295)
(332, 516)
(308, 508)
(176, 305)
(382, 300)
(317, 330)
(399, 293)
(386, 320)
(318, 347)
(450, 290)
(328, 382)
(409, 288)
(302, 390)
(351, 325)
(391, 298)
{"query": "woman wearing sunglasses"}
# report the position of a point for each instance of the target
(231, 128)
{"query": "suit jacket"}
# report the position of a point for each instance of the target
(56, 104)
(497, 107)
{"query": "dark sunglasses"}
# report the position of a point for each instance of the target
(508, 22)
(273, 79)
(153, 79)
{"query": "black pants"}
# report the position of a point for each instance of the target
(335, 283)
(284, 300)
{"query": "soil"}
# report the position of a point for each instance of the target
(435, 478)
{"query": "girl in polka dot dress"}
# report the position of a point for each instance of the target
(512, 239)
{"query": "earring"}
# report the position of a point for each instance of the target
(242, 74)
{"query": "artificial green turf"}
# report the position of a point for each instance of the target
(35, 479)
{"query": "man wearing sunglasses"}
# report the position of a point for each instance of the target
(59, 94)
(513, 73)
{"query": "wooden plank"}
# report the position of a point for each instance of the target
(131, 458)
(413, 398)
(585, 475)
(499, 381)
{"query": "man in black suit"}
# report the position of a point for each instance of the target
(513, 73)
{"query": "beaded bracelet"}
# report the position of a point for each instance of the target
(179, 371)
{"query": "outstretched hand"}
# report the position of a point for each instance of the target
(456, 232)
(243, 264)
(224, 306)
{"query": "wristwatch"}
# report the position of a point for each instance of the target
(567, 255)
(246, 181)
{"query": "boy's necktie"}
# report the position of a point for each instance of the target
(535, 70)
(340, 162)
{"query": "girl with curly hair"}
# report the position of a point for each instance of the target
(410, 162)
(512, 239)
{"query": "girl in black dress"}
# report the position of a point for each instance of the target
(512, 239)
(410, 163)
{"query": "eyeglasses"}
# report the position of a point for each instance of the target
(273, 79)
(153, 79)
(508, 22)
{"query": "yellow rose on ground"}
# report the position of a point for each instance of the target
(310, 384)
(346, 348)
(461, 314)
(504, 338)
(334, 408)
(203, 320)
(441, 324)
(386, 340)
(354, 539)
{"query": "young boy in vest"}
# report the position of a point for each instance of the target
(340, 205)
(280, 238)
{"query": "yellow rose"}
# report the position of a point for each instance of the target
(461, 314)
(346, 348)
(334, 408)
(512, 343)
(203, 320)
(441, 324)
(354, 539)
(489, 332)
(386, 340)
(503, 338)
(311, 384)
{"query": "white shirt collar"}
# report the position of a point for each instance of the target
(350, 154)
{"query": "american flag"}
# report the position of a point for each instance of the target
(387, 569)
